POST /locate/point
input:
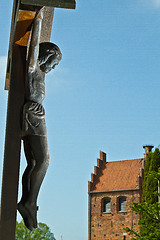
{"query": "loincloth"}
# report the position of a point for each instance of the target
(33, 119)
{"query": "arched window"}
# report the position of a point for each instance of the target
(106, 205)
(122, 204)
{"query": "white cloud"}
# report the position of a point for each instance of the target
(156, 3)
(56, 79)
(3, 65)
(151, 3)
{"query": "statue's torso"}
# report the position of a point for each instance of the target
(35, 86)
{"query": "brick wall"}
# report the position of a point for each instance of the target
(109, 226)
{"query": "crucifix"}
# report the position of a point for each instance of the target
(30, 56)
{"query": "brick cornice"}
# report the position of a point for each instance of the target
(123, 190)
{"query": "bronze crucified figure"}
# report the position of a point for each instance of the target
(42, 57)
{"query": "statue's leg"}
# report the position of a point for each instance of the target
(39, 148)
(30, 166)
(26, 184)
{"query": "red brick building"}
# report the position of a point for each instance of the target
(112, 189)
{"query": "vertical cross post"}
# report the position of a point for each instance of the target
(12, 146)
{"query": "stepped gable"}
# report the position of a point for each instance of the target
(120, 175)
(101, 163)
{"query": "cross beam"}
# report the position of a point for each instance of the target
(51, 3)
(22, 18)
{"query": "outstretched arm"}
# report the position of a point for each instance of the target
(35, 40)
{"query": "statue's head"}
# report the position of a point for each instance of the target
(49, 56)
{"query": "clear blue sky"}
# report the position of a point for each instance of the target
(104, 95)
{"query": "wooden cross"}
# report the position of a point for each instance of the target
(22, 17)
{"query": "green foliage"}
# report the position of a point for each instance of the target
(42, 232)
(149, 224)
(149, 209)
(150, 185)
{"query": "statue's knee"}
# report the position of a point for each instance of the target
(47, 161)
(33, 163)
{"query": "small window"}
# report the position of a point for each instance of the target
(107, 205)
(122, 204)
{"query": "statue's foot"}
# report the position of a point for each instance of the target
(32, 209)
(25, 215)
